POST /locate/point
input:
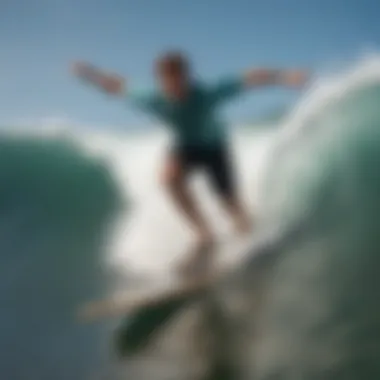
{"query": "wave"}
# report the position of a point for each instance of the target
(69, 204)
(321, 318)
(56, 203)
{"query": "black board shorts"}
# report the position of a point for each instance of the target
(215, 161)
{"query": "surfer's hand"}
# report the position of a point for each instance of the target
(84, 70)
(270, 77)
(110, 83)
(294, 78)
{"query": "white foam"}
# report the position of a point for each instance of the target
(154, 235)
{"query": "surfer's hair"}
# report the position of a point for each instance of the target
(172, 62)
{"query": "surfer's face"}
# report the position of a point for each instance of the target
(173, 75)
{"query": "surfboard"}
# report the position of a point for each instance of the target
(169, 287)
(147, 311)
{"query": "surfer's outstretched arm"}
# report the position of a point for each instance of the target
(270, 77)
(111, 84)
(229, 88)
(116, 85)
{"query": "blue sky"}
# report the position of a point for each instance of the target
(39, 38)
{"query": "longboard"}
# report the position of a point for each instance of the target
(169, 288)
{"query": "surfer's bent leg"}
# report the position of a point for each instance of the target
(222, 175)
(177, 167)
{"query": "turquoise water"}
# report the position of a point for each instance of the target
(55, 205)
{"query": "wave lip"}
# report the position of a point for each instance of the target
(56, 179)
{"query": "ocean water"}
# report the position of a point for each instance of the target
(82, 214)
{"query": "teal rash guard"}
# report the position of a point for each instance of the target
(193, 121)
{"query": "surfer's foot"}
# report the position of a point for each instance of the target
(237, 212)
(201, 256)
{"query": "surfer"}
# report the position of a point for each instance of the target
(188, 107)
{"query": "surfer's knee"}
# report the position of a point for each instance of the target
(172, 178)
